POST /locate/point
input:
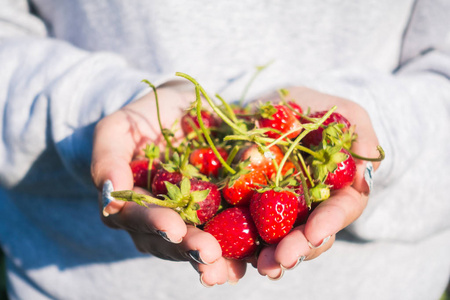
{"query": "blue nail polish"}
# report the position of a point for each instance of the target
(106, 195)
(163, 235)
(368, 175)
(195, 255)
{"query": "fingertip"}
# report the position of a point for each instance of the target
(324, 221)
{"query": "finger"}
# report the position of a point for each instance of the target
(292, 249)
(236, 270)
(216, 273)
(267, 264)
(152, 220)
(334, 214)
(201, 246)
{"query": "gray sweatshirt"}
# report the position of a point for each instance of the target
(66, 64)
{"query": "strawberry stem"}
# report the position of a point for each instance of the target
(297, 140)
(141, 199)
(374, 159)
(163, 131)
(211, 103)
(206, 133)
(231, 157)
(230, 112)
(259, 69)
(264, 140)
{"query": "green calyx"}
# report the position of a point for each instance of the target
(180, 163)
(326, 161)
(319, 193)
(267, 111)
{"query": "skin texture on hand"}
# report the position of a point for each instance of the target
(159, 231)
(341, 209)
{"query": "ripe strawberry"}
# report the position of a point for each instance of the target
(235, 231)
(206, 161)
(280, 118)
(303, 209)
(209, 206)
(139, 168)
(298, 111)
(263, 162)
(274, 213)
(334, 166)
(315, 137)
(344, 174)
(238, 191)
(190, 118)
(161, 176)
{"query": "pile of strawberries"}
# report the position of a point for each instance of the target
(246, 174)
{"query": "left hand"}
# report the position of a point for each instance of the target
(309, 241)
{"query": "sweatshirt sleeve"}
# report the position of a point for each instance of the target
(52, 94)
(410, 111)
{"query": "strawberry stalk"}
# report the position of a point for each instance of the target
(143, 200)
(230, 112)
(259, 69)
(163, 130)
(374, 159)
(211, 103)
(231, 157)
(291, 148)
(151, 152)
(206, 133)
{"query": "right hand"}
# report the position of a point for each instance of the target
(159, 231)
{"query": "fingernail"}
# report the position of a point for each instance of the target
(106, 195)
(195, 255)
(203, 283)
(163, 235)
(230, 282)
(299, 261)
(368, 175)
(321, 244)
(277, 278)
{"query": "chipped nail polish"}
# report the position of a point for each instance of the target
(195, 255)
(106, 195)
(321, 244)
(203, 283)
(299, 261)
(279, 276)
(368, 175)
(163, 235)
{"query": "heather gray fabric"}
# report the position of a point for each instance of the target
(65, 64)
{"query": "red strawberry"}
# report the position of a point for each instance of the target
(274, 213)
(190, 118)
(161, 176)
(303, 209)
(263, 162)
(280, 118)
(235, 231)
(344, 174)
(334, 166)
(298, 111)
(139, 168)
(206, 161)
(315, 137)
(209, 206)
(240, 190)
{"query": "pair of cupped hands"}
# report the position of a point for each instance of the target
(159, 231)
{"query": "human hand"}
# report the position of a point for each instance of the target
(155, 230)
(310, 240)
